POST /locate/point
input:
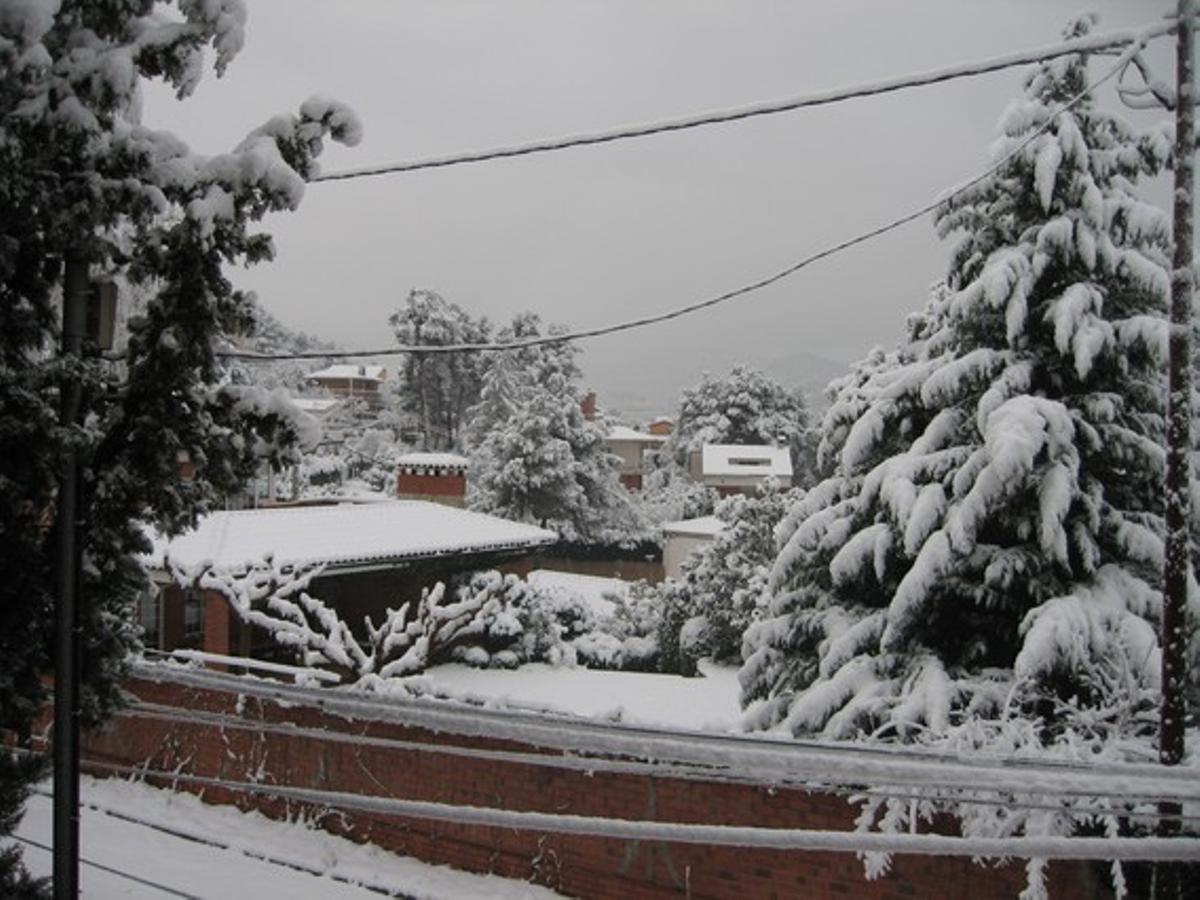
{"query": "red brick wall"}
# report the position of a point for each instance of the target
(431, 485)
(576, 864)
(217, 629)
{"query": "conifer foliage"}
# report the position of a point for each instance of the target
(534, 457)
(988, 541)
(80, 175)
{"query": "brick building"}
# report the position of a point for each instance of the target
(436, 477)
(375, 555)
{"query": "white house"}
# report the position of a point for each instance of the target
(740, 468)
(635, 449)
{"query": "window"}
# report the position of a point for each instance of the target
(193, 613)
(148, 612)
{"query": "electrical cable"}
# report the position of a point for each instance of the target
(1040, 847)
(822, 98)
(591, 764)
(146, 882)
(762, 757)
(1134, 48)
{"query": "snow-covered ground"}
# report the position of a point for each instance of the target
(589, 588)
(231, 854)
(709, 703)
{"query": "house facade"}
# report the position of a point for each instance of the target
(683, 538)
(351, 382)
(374, 556)
(636, 450)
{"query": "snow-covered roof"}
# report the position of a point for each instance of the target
(432, 460)
(346, 370)
(746, 459)
(705, 526)
(625, 433)
(347, 534)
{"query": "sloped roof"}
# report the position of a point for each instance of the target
(346, 370)
(625, 433)
(705, 526)
(346, 535)
(746, 459)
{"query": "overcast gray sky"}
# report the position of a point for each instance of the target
(590, 236)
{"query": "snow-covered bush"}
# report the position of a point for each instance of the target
(669, 494)
(626, 637)
(707, 609)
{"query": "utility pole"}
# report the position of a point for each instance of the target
(66, 615)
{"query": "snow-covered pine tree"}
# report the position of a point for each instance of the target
(79, 174)
(439, 388)
(988, 542)
(745, 407)
(547, 464)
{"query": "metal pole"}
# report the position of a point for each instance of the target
(66, 674)
(1179, 412)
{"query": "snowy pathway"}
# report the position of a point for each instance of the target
(231, 854)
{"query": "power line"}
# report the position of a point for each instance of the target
(715, 117)
(685, 771)
(1029, 846)
(760, 756)
(1136, 45)
(146, 882)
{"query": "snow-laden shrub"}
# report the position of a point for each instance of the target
(719, 591)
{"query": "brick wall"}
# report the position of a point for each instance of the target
(578, 865)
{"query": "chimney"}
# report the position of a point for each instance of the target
(588, 406)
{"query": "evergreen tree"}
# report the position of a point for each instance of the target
(988, 543)
(746, 407)
(707, 609)
(547, 464)
(439, 388)
(79, 175)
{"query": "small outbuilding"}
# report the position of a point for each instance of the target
(436, 477)
(375, 555)
(683, 538)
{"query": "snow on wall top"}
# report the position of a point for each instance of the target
(345, 370)
(347, 534)
(432, 460)
(705, 526)
(746, 459)
(315, 404)
(625, 433)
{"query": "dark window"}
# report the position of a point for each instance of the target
(148, 613)
(193, 613)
